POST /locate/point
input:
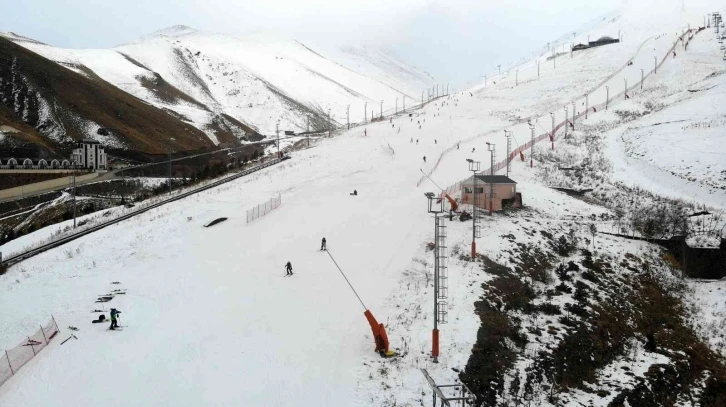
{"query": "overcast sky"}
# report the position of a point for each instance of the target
(454, 40)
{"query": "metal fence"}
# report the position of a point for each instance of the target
(14, 358)
(264, 208)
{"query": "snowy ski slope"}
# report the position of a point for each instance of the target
(210, 319)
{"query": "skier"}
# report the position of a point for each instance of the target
(472, 150)
(114, 318)
(424, 158)
(322, 244)
(288, 268)
(416, 141)
(457, 145)
(436, 142)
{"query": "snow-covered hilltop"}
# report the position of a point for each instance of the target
(210, 79)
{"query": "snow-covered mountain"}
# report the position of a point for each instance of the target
(214, 80)
(550, 312)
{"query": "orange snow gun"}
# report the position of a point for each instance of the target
(379, 331)
(379, 335)
(452, 201)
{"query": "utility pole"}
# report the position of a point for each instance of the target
(587, 105)
(566, 117)
(538, 68)
(625, 92)
(169, 147)
(436, 206)
(347, 117)
(655, 64)
(277, 135)
(308, 117)
(365, 113)
(574, 111)
(75, 164)
(508, 135)
(491, 147)
(552, 134)
(531, 147)
(474, 168)
(607, 97)
(381, 110)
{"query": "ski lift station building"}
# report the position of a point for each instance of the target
(504, 188)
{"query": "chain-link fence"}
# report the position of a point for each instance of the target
(11, 360)
(264, 208)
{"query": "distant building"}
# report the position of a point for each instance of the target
(89, 154)
(505, 192)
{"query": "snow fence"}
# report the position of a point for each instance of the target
(14, 358)
(264, 208)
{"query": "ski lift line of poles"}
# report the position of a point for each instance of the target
(346, 279)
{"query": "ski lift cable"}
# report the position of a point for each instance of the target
(346, 279)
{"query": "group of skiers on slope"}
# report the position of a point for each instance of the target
(323, 246)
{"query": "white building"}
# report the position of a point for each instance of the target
(89, 154)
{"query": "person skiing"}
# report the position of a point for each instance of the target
(424, 158)
(288, 268)
(323, 243)
(114, 318)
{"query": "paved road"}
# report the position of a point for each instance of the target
(29, 190)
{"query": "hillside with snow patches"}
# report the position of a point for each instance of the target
(210, 79)
(552, 312)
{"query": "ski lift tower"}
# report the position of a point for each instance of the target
(474, 167)
(441, 285)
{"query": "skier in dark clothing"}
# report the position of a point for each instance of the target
(288, 268)
(114, 318)
(424, 158)
(323, 244)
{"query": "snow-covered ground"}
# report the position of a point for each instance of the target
(209, 317)
(258, 79)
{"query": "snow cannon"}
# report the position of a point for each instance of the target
(452, 201)
(379, 336)
(379, 331)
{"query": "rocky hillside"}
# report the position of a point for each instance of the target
(48, 106)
